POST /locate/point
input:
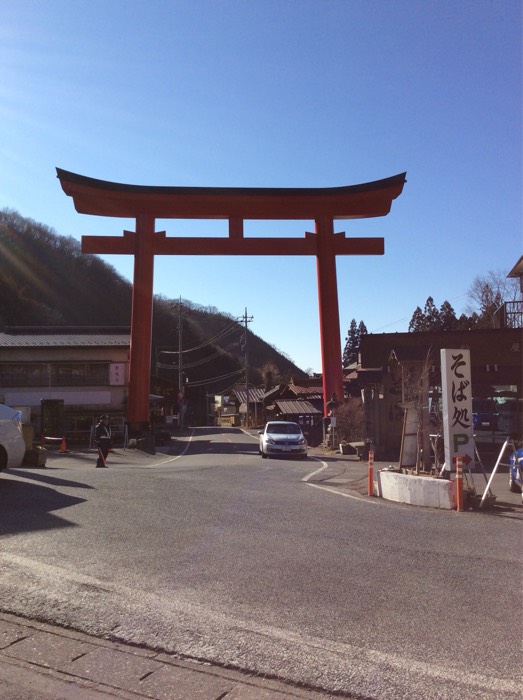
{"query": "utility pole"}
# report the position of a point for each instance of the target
(180, 345)
(181, 389)
(246, 319)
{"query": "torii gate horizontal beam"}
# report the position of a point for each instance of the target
(237, 204)
(163, 245)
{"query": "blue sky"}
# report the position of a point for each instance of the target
(285, 93)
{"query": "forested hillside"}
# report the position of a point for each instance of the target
(46, 281)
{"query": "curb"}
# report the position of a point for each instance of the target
(53, 662)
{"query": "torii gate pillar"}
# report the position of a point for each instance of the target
(146, 204)
(141, 322)
(332, 369)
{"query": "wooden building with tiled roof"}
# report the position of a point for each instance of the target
(63, 378)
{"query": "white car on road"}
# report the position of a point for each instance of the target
(12, 444)
(282, 438)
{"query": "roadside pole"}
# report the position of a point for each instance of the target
(459, 484)
(370, 483)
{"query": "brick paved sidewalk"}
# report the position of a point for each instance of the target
(44, 662)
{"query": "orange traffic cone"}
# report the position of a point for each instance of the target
(63, 446)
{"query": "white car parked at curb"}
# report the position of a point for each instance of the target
(282, 438)
(12, 444)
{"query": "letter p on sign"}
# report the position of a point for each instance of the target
(460, 439)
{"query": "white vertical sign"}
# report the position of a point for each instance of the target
(117, 374)
(456, 385)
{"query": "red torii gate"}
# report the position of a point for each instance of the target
(146, 204)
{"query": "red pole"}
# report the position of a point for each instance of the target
(332, 369)
(370, 474)
(141, 322)
(459, 484)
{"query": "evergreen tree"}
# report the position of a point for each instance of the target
(362, 330)
(417, 322)
(352, 342)
(432, 319)
(431, 313)
(465, 323)
(447, 317)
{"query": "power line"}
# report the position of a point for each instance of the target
(222, 334)
(203, 382)
(191, 365)
(196, 363)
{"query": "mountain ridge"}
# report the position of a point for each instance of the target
(47, 281)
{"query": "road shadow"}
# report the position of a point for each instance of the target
(28, 507)
(55, 460)
(203, 445)
(48, 479)
(502, 508)
(204, 442)
(200, 431)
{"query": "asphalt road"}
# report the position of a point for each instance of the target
(220, 555)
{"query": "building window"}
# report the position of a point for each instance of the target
(22, 374)
(28, 374)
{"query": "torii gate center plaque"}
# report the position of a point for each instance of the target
(146, 204)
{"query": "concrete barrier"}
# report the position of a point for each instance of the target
(417, 490)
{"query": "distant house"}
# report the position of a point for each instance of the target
(309, 389)
(251, 401)
(302, 403)
(63, 378)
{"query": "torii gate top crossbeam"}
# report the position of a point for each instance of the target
(102, 198)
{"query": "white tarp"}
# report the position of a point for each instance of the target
(8, 413)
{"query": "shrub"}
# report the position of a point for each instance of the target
(350, 421)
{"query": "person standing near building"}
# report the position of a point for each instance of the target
(102, 435)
